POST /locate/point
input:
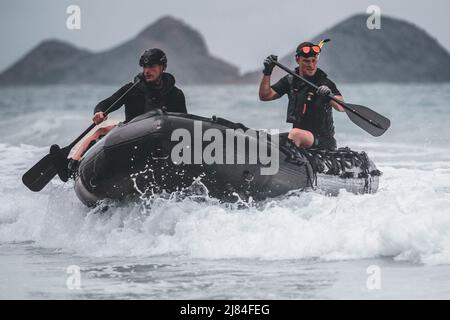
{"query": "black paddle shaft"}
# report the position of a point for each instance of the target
(55, 162)
(331, 96)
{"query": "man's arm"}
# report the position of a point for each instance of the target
(266, 93)
(337, 106)
(331, 88)
(102, 106)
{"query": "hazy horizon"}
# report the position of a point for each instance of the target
(239, 33)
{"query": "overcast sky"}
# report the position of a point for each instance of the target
(242, 32)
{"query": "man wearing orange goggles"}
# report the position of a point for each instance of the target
(309, 111)
(308, 49)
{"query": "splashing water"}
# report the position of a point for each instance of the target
(407, 221)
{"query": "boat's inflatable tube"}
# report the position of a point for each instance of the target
(161, 151)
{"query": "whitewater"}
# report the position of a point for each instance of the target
(304, 245)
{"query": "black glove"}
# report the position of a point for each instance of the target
(323, 91)
(269, 64)
(139, 77)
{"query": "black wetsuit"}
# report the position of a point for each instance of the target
(145, 97)
(307, 110)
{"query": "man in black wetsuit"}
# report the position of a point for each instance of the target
(157, 90)
(309, 111)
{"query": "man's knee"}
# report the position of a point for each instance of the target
(295, 133)
(302, 138)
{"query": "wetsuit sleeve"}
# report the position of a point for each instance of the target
(105, 104)
(177, 102)
(281, 87)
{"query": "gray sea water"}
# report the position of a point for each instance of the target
(392, 244)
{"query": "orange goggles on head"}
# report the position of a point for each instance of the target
(309, 49)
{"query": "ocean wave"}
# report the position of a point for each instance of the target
(408, 219)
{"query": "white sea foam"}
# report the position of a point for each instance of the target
(409, 218)
(193, 247)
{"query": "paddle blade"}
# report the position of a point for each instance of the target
(43, 172)
(367, 119)
(40, 174)
(60, 161)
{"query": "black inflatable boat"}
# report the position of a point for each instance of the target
(161, 151)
